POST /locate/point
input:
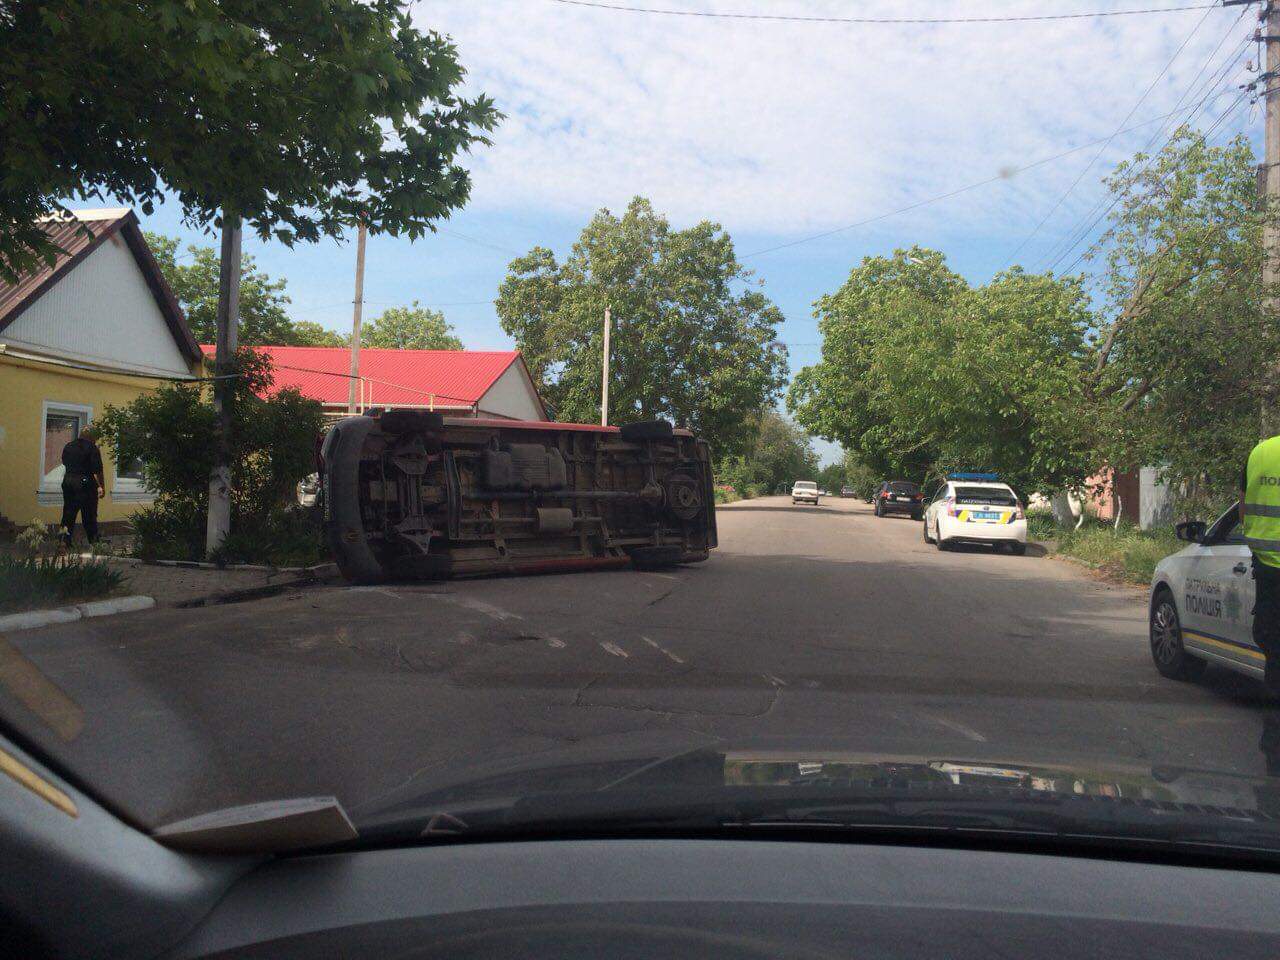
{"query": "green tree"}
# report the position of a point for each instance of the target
(308, 333)
(301, 117)
(778, 454)
(1181, 365)
(685, 345)
(845, 397)
(193, 275)
(410, 328)
(922, 374)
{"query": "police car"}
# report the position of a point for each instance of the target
(975, 508)
(1201, 606)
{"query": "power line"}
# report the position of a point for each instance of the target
(785, 18)
(1085, 224)
(1102, 149)
(1120, 196)
(1003, 175)
(1235, 105)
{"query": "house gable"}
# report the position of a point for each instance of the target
(107, 311)
(513, 395)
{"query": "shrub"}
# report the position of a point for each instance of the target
(284, 538)
(272, 447)
(33, 582)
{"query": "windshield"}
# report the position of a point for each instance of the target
(437, 451)
(992, 495)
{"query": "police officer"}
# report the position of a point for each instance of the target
(1260, 512)
(82, 484)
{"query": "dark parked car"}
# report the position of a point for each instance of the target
(847, 491)
(899, 496)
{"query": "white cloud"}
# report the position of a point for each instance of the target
(796, 128)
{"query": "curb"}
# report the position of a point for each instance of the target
(310, 577)
(317, 570)
(32, 619)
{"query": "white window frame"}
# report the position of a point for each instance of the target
(50, 494)
(129, 489)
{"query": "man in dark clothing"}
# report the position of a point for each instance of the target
(82, 485)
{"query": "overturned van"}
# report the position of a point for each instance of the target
(411, 494)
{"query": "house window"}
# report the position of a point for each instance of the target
(128, 486)
(62, 424)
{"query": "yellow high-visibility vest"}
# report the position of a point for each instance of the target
(1262, 502)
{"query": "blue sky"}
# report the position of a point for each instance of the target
(778, 132)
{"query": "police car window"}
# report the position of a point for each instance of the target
(993, 495)
(1226, 529)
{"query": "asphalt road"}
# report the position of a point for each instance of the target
(818, 630)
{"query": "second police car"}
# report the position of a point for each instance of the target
(1201, 607)
(975, 508)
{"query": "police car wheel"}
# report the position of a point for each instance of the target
(1170, 656)
(937, 538)
(1017, 549)
(926, 532)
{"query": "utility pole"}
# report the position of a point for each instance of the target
(228, 319)
(1270, 229)
(604, 372)
(354, 383)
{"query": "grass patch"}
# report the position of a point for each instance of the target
(1126, 554)
(34, 582)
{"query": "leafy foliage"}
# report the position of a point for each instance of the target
(779, 454)
(410, 328)
(1182, 365)
(172, 430)
(263, 317)
(33, 582)
(921, 373)
(308, 333)
(302, 117)
(685, 346)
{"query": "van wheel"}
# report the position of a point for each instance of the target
(1170, 656)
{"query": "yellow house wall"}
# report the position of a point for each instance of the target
(25, 386)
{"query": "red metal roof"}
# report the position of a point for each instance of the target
(455, 378)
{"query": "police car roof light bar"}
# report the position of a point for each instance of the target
(990, 477)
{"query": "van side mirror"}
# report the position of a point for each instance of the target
(1192, 531)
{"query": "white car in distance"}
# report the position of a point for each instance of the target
(804, 491)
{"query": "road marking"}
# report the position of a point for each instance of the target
(555, 643)
(778, 681)
(664, 576)
(488, 609)
(661, 649)
(385, 591)
(616, 650)
(957, 727)
(34, 690)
